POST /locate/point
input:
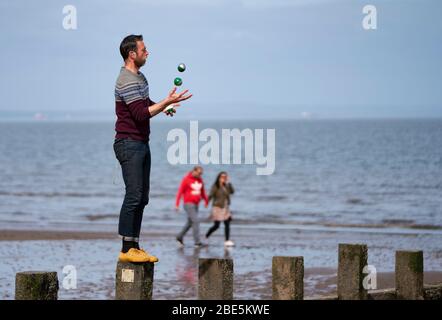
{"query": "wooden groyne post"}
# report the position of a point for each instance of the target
(134, 281)
(409, 275)
(215, 279)
(287, 278)
(351, 262)
(36, 285)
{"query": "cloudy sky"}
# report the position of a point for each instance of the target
(245, 58)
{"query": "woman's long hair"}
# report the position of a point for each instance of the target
(217, 178)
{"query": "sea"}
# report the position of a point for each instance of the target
(380, 174)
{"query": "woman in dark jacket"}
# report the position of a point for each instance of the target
(220, 194)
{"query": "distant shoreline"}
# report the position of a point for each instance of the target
(218, 119)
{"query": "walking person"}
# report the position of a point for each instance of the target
(220, 194)
(192, 190)
(134, 108)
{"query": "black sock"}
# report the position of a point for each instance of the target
(127, 245)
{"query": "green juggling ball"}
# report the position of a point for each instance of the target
(181, 67)
(178, 81)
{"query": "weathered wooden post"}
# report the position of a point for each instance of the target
(352, 260)
(215, 279)
(287, 278)
(36, 285)
(409, 275)
(134, 281)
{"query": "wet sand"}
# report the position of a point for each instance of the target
(23, 235)
(94, 255)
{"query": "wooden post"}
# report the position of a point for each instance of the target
(288, 278)
(134, 281)
(352, 260)
(409, 275)
(215, 279)
(36, 285)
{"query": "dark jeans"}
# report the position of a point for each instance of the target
(216, 226)
(134, 158)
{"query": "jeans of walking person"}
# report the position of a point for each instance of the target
(192, 222)
(135, 160)
(216, 226)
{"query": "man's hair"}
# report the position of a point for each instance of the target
(129, 44)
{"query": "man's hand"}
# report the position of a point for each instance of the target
(174, 97)
(177, 208)
(206, 205)
(171, 111)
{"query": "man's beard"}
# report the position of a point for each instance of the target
(140, 62)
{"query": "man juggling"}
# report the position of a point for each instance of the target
(134, 108)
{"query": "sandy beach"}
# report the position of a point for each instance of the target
(94, 255)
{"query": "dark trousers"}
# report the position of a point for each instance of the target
(216, 226)
(134, 158)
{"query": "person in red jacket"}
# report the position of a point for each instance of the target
(192, 189)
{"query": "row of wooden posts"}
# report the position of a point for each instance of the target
(134, 281)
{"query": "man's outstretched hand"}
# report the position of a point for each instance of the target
(174, 97)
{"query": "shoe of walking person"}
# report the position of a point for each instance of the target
(229, 243)
(180, 242)
(200, 245)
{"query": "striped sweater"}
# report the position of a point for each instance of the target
(131, 106)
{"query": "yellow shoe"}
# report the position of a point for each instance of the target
(134, 255)
(151, 258)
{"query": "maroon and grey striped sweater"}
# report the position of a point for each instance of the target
(131, 106)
